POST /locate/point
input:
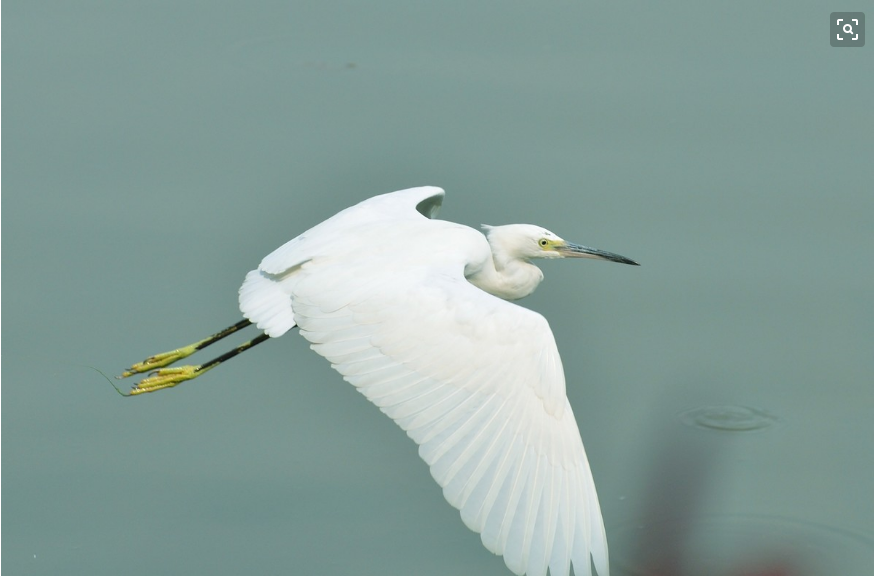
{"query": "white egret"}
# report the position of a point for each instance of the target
(415, 313)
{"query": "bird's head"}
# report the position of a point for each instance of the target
(525, 242)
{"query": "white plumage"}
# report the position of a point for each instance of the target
(403, 307)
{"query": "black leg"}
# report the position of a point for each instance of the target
(170, 377)
(167, 358)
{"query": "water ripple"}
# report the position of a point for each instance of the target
(728, 418)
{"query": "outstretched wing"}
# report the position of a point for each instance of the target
(475, 381)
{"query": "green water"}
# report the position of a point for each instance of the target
(154, 152)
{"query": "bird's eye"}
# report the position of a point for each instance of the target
(542, 242)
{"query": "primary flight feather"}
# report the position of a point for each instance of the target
(416, 314)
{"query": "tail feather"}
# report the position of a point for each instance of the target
(266, 304)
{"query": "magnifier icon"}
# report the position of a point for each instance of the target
(847, 29)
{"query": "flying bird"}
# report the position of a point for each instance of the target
(417, 314)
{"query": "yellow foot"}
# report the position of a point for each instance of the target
(160, 360)
(166, 378)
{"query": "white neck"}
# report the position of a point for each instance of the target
(507, 278)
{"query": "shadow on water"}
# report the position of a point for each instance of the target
(677, 533)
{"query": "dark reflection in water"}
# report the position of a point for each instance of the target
(676, 535)
(743, 545)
